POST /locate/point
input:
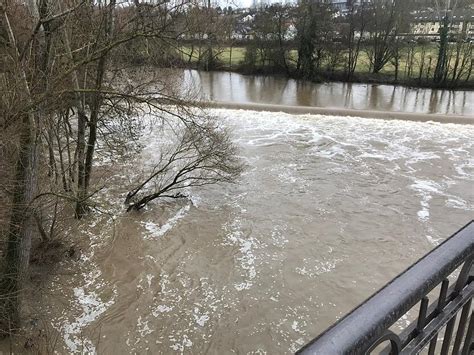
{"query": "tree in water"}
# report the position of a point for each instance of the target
(197, 153)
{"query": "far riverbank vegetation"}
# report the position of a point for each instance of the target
(373, 41)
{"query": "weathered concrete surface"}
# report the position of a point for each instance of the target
(386, 115)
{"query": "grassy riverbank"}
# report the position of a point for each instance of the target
(415, 72)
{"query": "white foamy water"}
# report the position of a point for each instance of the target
(88, 303)
(327, 211)
(156, 231)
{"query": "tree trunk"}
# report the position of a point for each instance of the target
(22, 225)
(97, 99)
(469, 72)
(430, 63)
(440, 70)
(81, 132)
(397, 65)
(422, 64)
(81, 170)
(97, 102)
(190, 56)
(458, 65)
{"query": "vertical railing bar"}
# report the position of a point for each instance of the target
(441, 303)
(448, 334)
(422, 314)
(442, 295)
(462, 326)
(464, 275)
(469, 334)
(433, 342)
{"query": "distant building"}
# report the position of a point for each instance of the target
(340, 5)
(428, 24)
(343, 5)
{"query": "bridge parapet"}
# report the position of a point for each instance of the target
(369, 326)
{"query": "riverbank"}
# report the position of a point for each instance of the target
(235, 62)
(335, 77)
(359, 78)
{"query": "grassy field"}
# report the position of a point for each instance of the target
(238, 54)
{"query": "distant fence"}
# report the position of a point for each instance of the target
(443, 326)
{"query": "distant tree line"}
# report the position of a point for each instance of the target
(313, 41)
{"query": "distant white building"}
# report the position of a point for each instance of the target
(343, 5)
(291, 32)
(428, 24)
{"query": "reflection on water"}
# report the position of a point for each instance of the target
(226, 86)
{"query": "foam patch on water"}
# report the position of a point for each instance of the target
(434, 241)
(197, 308)
(182, 345)
(91, 307)
(93, 297)
(156, 231)
(313, 268)
(278, 237)
(200, 319)
(143, 327)
(246, 244)
(161, 308)
(425, 189)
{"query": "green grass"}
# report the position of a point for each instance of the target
(363, 64)
(238, 54)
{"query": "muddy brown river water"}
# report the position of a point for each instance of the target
(247, 89)
(327, 211)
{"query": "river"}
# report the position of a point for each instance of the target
(327, 211)
(237, 88)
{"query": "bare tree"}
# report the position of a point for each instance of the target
(354, 35)
(270, 29)
(199, 154)
(384, 26)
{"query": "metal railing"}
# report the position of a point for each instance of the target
(437, 329)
